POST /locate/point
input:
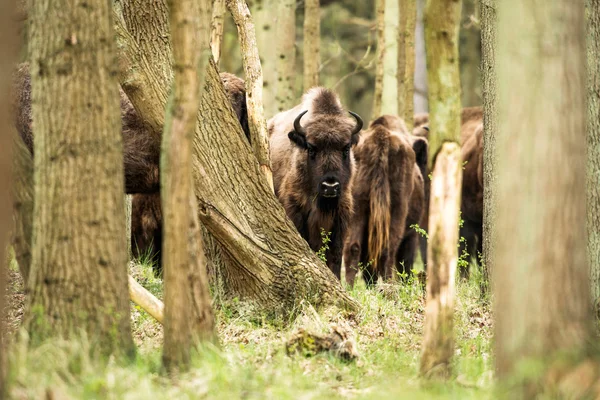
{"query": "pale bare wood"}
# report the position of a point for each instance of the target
(311, 43)
(188, 311)
(379, 66)
(217, 26)
(143, 298)
(78, 278)
(254, 84)
(442, 256)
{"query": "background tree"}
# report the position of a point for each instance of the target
(312, 43)
(379, 64)
(406, 60)
(442, 18)
(420, 97)
(390, 59)
(266, 261)
(78, 277)
(470, 53)
(266, 23)
(593, 147)
(488, 83)
(542, 304)
(286, 93)
(216, 31)
(188, 312)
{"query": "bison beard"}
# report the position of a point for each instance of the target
(388, 198)
(141, 156)
(312, 160)
(472, 184)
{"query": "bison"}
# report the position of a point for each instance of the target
(472, 184)
(312, 159)
(388, 198)
(141, 156)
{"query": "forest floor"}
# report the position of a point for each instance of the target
(251, 361)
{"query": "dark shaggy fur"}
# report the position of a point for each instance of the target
(302, 162)
(141, 156)
(388, 198)
(472, 185)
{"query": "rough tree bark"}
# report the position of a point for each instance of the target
(593, 148)
(264, 14)
(265, 259)
(216, 32)
(438, 340)
(379, 65)
(488, 84)
(541, 297)
(188, 312)
(285, 96)
(8, 45)
(312, 43)
(78, 278)
(406, 60)
(254, 84)
(442, 18)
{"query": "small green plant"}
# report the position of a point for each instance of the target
(420, 230)
(326, 239)
(463, 258)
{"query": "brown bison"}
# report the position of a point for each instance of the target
(141, 156)
(388, 198)
(472, 184)
(312, 160)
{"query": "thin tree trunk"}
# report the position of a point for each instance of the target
(442, 20)
(265, 260)
(254, 83)
(490, 171)
(312, 43)
(9, 46)
(217, 26)
(406, 57)
(389, 102)
(593, 148)
(442, 253)
(380, 25)
(542, 304)
(188, 312)
(286, 55)
(420, 96)
(266, 23)
(78, 278)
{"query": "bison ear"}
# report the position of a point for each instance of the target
(421, 147)
(298, 138)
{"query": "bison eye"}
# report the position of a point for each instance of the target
(312, 152)
(346, 151)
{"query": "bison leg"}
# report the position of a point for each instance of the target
(146, 229)
(405, 257)
(471, 234)
(334, 254)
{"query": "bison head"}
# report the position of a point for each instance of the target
(327, 142)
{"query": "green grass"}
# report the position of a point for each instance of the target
(251, 362)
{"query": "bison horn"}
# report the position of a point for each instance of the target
(297, 127)
(359, 122)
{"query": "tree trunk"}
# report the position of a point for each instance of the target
(441, 34)
(188, 312)
(285, 97)
(380, 24)
(265, 259)
(9, 46)
(78, 278)
(593, 148)
(442, 254)
(406, 61)
(488, 73)
(216, 31)
(312, 43)
(389, 102)
(420, 97)
(264, 14)
(542, 306)
(442, 19)
(254, 82)
(470, 54)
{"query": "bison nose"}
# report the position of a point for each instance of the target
(330, 188)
